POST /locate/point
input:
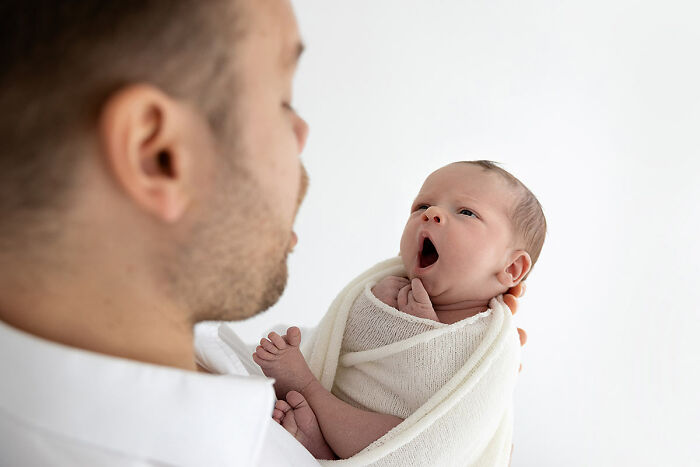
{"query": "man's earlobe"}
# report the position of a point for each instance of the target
(140, 131)
(520, 264)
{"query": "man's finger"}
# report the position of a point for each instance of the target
(419, 292)
(517, 290)
(511, 302)
(523, 336)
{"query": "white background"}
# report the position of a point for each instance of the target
(595, 105)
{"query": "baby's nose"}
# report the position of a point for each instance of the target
(431, 215)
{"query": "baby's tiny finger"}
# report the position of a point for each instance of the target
(411, 300)
(419, 291)
(397, 282)
(402, 299)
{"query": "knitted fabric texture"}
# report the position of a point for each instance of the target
(453, 384)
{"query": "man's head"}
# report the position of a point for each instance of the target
(474, 231)
(156, 138)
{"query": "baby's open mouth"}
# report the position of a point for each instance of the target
(428, 254)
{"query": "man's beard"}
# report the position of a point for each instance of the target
(276, 284)
(233, 265)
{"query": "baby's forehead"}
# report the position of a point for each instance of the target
(472, 187)
(468, 178)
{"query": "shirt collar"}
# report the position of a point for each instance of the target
(143, 410)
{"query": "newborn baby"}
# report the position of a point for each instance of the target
(474, 232)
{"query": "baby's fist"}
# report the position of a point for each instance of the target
(387, 290)
(414, 300)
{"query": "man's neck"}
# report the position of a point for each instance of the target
(115, 315)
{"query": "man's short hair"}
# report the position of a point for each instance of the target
(527, 217)
(59, 62)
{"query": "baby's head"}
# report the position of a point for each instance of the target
(474, 232)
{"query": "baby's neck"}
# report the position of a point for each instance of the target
(453, 312)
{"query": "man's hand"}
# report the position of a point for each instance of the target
(387, 290)
(511, 299)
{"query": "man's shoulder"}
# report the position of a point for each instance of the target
(82, 406)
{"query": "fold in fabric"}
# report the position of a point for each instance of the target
(453, 384)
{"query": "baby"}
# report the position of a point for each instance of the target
(474, 232)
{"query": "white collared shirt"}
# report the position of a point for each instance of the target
(65, 406)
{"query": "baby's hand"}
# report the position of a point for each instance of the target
(414, 300)
(387, 290)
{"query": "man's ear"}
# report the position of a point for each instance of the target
(519, 264)
(141, 131)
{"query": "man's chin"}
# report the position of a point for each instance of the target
(274, 288)
(271, 291)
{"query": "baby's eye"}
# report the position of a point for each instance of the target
(467, 212)
(420, 207)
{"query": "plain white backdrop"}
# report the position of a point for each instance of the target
(595, 105)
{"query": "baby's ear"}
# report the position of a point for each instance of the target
(518, 266)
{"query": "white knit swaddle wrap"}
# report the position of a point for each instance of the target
(453, 384)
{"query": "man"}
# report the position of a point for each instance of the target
(149, 180)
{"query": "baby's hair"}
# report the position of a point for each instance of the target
(529, 223)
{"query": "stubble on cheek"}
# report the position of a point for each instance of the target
(278, 274)
(233, 263)
(230, 264)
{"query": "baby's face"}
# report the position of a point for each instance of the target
(459, 235)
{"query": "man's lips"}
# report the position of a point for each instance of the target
(427, 252)
(292, 242)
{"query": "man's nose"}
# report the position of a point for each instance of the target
(433, 214)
